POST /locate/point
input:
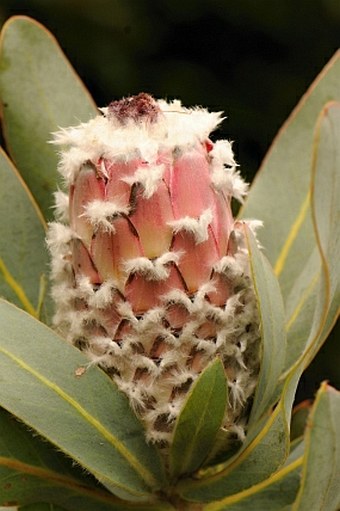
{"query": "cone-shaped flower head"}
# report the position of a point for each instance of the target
(150, 270)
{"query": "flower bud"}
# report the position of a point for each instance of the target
(150, 271)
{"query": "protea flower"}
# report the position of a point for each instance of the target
(150, 270)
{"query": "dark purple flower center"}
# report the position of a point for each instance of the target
(142, 107)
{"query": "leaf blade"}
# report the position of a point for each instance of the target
(265, 495)
(199, 421)
(42, 367)
(263, 452)
(321, 471)
(326, 213)
(22, 242)
(272, 319)
(40, 92)
(279, 194)
(323, 301)
(281, 197)
(33, 471)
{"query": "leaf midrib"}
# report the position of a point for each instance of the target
(109, 437)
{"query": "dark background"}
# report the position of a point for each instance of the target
(251, 59)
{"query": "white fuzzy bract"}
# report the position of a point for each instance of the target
(107, 138)
(198, 227)
(149, 177)
(100, 213)
(158, 269)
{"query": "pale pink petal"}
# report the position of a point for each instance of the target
(82, 262)
(176, 315)
(145, 294)
(197, 361)
(158, 348)
(151, 218)
(222, 223)
(232, 244)
(110, 250)
(110, 319)
(87, 187)
(197, 259)
(124, 329)
(189, 183)
(221, 292)
(207, 330)
(116, 188)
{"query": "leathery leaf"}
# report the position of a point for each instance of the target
(22, 244)
(265, 449)
(321, 469)
(283, 197)
(199, 421)
(40, 92)
(273, 333)
(45, 383)
(35, 476)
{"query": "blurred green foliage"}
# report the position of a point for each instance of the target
(253, 60)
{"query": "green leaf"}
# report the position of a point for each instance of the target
(281, 196)
(40, 92)
(86, 416)
(326, 207)
(273, 333)
(199, 421)
(320, 310)
(300, 308)
(299, 419)
(273, 493)
(320, 487)
(297, 450)
(23, 255)
(264, 450)
(32, 471)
